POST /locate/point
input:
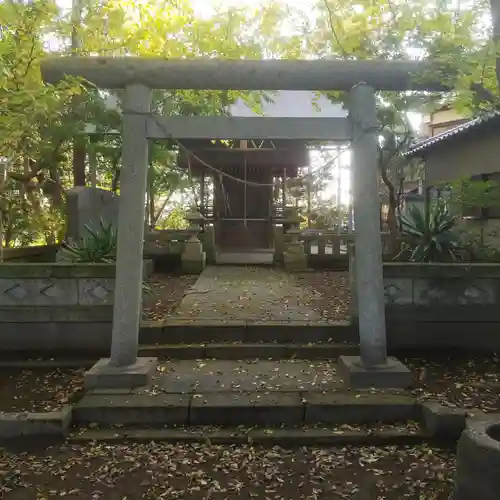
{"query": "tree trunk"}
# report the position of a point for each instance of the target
(1, 235)
(392, 221)
(151, 207)
(392, 224)
(79, 153)
(157, 215)
(8, 231)
(79, 140)
(115, 183)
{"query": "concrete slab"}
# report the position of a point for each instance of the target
(246, 409)
(359, 408)
(246, 258)
(442, 421)
(243, 376)
(17, 424)
(234, 393)
(287, 438)
(392, 375)
(132, 409)
(103, 375)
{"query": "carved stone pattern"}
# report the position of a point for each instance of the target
(16, 291)
(455, 292)
(37, 292)
(475, 294)
(398, 291)
(96, 291)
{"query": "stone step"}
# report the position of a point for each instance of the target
(376, 435)
(188, 331)
(261, 258)
(232, 409)
(238, 351)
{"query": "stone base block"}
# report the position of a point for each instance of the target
(443, 422)
(105, 376)
(192, 265)
(295, 261)
(391, 375)
(18, 424)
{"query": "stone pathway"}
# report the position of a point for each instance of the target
(192, 376)
(248, 294)
(250, 393)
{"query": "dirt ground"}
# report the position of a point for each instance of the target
(167, 472)
(164, 294)
(38, 390)
(458, 381)
(329, 291)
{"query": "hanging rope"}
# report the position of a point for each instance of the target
(189, 153)
(227, 206)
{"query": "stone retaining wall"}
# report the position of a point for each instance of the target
(57, 306)
(440, 305)
(41, 253)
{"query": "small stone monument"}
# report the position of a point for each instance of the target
(86, 207)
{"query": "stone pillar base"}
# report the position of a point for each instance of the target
(294, 258)
(105, 376)
(193, 258)
(193, 266)
(294, 262)
(391, 375)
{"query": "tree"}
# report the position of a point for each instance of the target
(41, 121)
(37, 119)
(466, 195)
(397, 29)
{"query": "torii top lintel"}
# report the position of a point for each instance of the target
(218, 74)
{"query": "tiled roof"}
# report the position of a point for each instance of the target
(483, 122)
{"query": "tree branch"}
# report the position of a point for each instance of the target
(344, 53)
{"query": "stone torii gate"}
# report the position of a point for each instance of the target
(138, 76)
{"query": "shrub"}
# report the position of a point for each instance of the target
(98, 246)
(429, 236)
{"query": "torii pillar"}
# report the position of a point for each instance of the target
(372, 368)
(124, 369)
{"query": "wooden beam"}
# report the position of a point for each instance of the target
(223, 127)
(213, 74)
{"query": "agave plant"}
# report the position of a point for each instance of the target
(429, 237)
(99, 245)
